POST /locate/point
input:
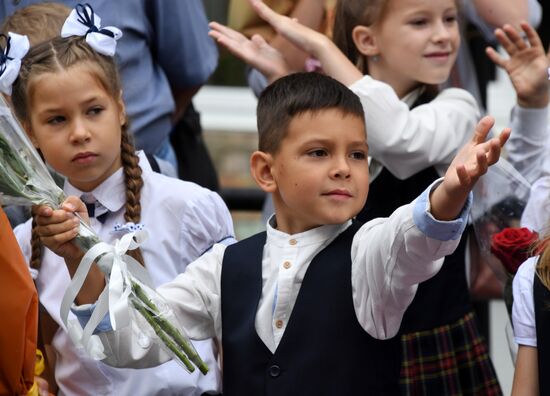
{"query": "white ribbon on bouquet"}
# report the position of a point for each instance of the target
(112, 260)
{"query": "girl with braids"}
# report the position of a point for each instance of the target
(68, 98)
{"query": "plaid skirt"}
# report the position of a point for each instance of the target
(448, 360)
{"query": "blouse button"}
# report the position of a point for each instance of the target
(279, 324)
(293, 242)
(287, 264)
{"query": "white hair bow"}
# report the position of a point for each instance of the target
(83, 22)
(17, 47)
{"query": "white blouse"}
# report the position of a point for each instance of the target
(183, 221)
(523, 310)
(407, 141)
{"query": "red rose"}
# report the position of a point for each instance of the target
(513, 246)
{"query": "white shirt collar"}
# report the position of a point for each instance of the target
(314, 236)
(411, 97)
(112, 192)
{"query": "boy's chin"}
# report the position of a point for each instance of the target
(336, 220)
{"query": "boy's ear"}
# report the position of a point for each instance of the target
(260, 169)
(364, 40)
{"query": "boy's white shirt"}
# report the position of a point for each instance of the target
(389, 258)
(185, 220)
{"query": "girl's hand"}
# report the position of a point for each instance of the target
(316, 44)
(309, 40)
(527, 64)
(255, 51)
(470, 163)
(57, 228)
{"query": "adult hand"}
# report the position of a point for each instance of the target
(256, 52)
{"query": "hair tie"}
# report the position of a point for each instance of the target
(16, 48)
(82, 21)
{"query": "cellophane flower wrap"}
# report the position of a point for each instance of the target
(128, 297)
(500, 197)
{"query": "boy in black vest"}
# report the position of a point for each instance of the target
(301, 309)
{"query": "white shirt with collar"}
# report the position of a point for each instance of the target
(183, 221)
(390, 256)
(405, 140)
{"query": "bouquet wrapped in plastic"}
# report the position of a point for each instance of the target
(127, 297)
(500, 197)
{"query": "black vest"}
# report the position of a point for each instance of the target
(324, 350)
(541, 296)
(444, 298)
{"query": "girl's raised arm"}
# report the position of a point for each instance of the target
(333, 61)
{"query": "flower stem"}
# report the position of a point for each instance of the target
(171, 330)
(152, 320)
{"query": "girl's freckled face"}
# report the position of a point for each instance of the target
(418, 42)
(76, 124)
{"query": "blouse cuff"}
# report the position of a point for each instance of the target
(437, 229)
(531, 122)
(84, 312)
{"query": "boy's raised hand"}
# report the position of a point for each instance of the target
(57, 228)
(255, 51)
(470, 163)
(527, 65)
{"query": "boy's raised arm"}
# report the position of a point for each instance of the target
(471, 162)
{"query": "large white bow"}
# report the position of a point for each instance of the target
(82, 21)
(111, 259)
(17, 47)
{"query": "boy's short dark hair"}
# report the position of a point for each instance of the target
(296, 94)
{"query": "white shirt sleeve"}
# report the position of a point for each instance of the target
(528, 143)
(523, 310)
(536, 215)
(194, 297)
(407, 141)
(206, 221)
(385, 275)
